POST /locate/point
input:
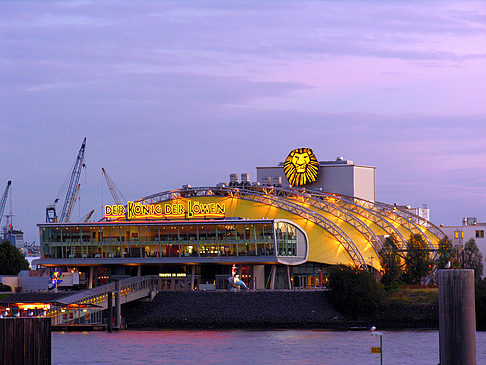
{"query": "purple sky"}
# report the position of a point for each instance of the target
(173, 93)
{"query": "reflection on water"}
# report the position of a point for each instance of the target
(249, 347)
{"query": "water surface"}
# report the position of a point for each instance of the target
(249, 347)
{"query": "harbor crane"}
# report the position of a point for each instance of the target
(71, 194)
(113, 189)
(3, 202)
(87, 216)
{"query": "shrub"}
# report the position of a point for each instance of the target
(355, 291)
(5, 287)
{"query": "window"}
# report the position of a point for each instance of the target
(480, 234)
(456, 235)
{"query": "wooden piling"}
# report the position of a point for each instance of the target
(25, 341)
(457, 319)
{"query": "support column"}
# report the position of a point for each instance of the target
(117, 305)
(90, 279)
(139, 270)
(288, 277)
(272, 276)
(193, 273)
(457, 318)
(110, 311)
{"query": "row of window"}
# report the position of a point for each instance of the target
(63, 251)
(479, 234)
(199, 240)
(164, 233)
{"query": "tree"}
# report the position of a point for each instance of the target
(354, 291)
(11, 260)
(390, 261)
(444, 253)
(472, 258)
(417, 262)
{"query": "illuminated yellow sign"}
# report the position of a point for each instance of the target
(192, 209)
(301, 167)
(172, 275)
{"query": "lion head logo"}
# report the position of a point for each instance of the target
(301, 167)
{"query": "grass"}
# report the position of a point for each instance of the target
(412, 296)
(5, 295)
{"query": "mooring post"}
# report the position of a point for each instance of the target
(457, 318)
(117, 305)
(25, 341)
(110, 311)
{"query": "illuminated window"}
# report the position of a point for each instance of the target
(462, 234)
(456, 235)
(480, 234)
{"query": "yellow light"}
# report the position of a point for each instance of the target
(194, 209)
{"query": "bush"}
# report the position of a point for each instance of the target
(481, 304)
(5, 287)
(355, 291)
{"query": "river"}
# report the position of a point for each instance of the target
(249, 347)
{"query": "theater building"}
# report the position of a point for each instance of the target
(278, 232)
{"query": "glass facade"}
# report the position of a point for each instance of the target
(201, 239)
(286, 235)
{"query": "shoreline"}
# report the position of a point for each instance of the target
(267, 311)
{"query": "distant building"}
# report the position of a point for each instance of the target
(15, 237)
(423, 212)
(470, 228)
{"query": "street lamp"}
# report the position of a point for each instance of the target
(375, 350)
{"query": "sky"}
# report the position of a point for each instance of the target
(187, 92)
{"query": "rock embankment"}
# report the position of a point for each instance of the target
(246, 309)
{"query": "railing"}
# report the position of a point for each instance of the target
(95, 300)
(99, 294)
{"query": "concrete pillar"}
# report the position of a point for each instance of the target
(193, 273)
(259, 276)
(91, 277)
(288, 277)
(117, 305)
(110, 311)
(139, 270)
(273, 272)
(457, 319)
